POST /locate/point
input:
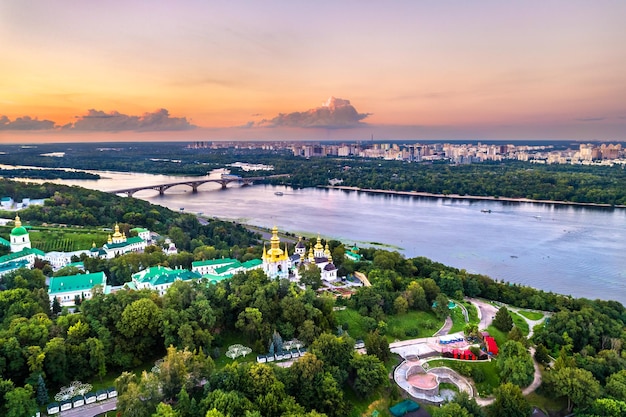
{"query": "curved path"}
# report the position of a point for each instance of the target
(429, 345)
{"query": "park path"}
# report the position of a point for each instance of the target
(91, 410)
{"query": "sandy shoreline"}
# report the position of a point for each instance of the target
(471, 197)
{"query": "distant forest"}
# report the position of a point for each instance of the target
(514, 179)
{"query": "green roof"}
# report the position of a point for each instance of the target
(159, 275)
(253, 263)
(13, 265)
(21, 254)
(220, 270)
(81, 282)
(216, 278)
(213, 262)
(149, 274)
(139, 230)
(129, 241)
(4, 242)
(353, 256)
(19, 231)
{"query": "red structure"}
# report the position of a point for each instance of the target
(492, 346)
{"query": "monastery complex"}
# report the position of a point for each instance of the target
(276, 263)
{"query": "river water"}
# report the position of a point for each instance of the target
(565, 249)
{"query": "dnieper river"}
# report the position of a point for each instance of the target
(565, 249)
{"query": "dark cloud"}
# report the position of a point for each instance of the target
(590, 119)
(336, 113)
(99, 121)
(25, 123)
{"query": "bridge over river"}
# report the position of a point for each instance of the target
(194, 184)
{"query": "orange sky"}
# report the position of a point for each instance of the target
(411, 70)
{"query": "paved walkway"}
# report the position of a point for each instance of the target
(91, 410)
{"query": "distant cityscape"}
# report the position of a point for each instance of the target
(607, 154)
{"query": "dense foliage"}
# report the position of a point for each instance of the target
(47, 174)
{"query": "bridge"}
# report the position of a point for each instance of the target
(194, 184)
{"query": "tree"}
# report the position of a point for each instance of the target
(377, 345)
(165, 410)
(401, 305)
(369, 374)
(605, 407)
(311, 276)
(510, 402)
(451, 410)
(578, 385)
(42, 391)
(503, 320)
(468, 403)
(250, 321)
(97, 358)
(55, 362)
(517, 335)
(416, 296)
(183, 405)
(616, 385)
(140, 324)
(335, 352)
(542, 355)
(515, 365)
(56, 306)
(440, 306)
(20, 402)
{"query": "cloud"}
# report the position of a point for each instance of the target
(335, 113)
(25, 123)
(99, 121)
(590, 119)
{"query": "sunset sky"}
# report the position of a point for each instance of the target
(205, 70)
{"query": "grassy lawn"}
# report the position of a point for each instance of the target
(410, 325)
(531, 315)
(356, 325)
(458, 320)
(486, 387)
(520, 322)
(497, 334)
(549, 404)
(379, 401)
(228, 339)
(472, 312)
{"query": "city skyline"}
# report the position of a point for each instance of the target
(246, 71)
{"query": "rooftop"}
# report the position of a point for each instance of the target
(81, 282)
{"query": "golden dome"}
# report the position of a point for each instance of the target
(318, 245)
(276, 253)
(117, 231)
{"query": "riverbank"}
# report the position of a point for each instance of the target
(470, 197)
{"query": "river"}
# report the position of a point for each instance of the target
(564, 249)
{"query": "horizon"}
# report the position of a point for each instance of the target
(301, 72)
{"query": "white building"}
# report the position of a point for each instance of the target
(65, 289)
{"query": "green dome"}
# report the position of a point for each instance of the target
(18, 231)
